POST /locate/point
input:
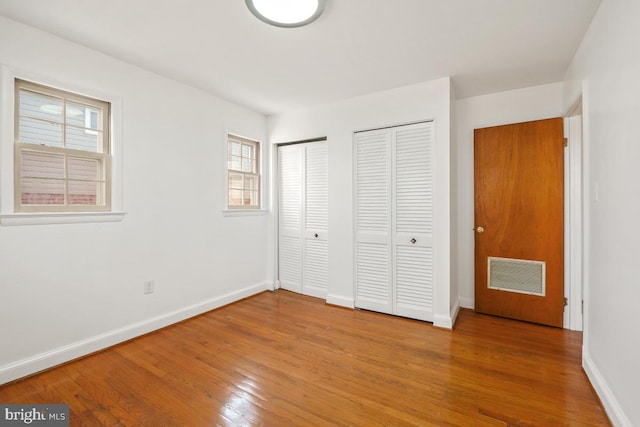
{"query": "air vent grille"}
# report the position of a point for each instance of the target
(517, 275)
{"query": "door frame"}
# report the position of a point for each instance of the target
(275, 174)
(574, 216)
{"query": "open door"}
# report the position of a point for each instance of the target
(519, 221)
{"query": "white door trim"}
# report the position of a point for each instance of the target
(573, 316)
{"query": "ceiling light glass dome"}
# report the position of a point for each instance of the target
(286, 13)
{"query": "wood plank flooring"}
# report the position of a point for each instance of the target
(283, 359)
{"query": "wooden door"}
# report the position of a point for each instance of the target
(519, 216)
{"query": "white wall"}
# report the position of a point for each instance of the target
(454, 173)
(606, 69)
(69, 289)
(337, 121)
(522, 105)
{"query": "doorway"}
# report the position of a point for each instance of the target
(574, 218)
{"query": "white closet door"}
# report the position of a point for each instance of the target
(394, 220)
(413, 220)
(290, 217)
(316, 218)
(372, 153)
(303, 218)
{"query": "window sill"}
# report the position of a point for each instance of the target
(60, 218)
(245, 212)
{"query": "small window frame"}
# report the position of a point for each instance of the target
(242, 173)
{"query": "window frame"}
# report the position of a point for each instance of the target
(256, 175)
(79, 84)
(101, 155)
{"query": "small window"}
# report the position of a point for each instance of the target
(243, 177)
(62, 161)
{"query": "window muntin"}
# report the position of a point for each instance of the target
(62, 151)
(243, 177)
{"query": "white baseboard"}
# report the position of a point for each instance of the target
(447, 322)
(454, 313)
(610, 403)
(467, 303)
(341, 301)
(57, 356)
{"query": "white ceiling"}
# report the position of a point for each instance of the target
(356, 47)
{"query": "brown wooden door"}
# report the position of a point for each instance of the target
(519, 235)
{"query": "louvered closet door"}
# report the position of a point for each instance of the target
(394, 220)
(372, 153)
(290, 217)
(303, 218)
(413, 220)
(316, 203)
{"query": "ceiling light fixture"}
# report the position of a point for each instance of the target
(286, 13)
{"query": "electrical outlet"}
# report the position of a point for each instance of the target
(149, 286)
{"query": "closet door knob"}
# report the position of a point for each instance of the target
(315, 235)
(413, 241)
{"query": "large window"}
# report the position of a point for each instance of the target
(243, 166)
(62, 152)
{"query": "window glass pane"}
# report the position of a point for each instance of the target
(41, 165)
(247, 151)
(234, 148)
(81, 115)
(234, 163)
(251, 190)
(250, 183)
(80, 168)
(36, 191)
(38, 132)
(235, 181)
(92, 119)
(40, 106)
(247, 165)
(251, 198)
(235, 197)
(83, 192)
(82, 139)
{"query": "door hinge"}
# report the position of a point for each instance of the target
(566, 142)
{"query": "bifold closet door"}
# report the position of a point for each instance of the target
(372, 151)
(316, 220)
(290, 217)
(303, 218)
(412, 215)
(394, 220)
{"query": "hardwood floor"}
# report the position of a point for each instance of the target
(281, 359)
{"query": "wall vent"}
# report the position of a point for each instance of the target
(516, 275)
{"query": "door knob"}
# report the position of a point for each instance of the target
(413, 241)
(480, 229)
(315, 235)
